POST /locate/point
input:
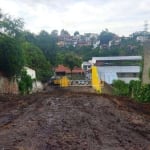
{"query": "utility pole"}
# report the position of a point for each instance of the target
(146, 26)
(146, 63)
(145, 30)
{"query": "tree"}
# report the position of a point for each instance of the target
(25, 83)
(64, 33)
(106, 36)
(35, 59)
(47, 44)
(10, 26)
(30, 37)
(54, 33)
(72, 60)
(11, 56)
(76, 33)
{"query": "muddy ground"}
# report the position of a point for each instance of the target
(65, 120)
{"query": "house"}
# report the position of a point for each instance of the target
(61, 70)
(124, 68)
(77, 70)
(96, 44)
(141, 38)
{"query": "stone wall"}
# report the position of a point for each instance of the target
(8, 86)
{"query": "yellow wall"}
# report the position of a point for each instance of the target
(96, 82)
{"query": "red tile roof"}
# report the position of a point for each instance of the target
(77, 70)
(62, 68)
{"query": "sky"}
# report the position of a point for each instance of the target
(122, 17)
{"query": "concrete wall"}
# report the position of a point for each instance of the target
(30, 72)
(37, 86)
(8, 86)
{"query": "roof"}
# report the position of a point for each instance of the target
(94, 59)
(62, 68)
(77, 70)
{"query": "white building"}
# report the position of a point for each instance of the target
(124, 68)
(36, 85)
(30, 72)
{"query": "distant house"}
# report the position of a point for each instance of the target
(96, 44)
(77, 70)
(62, 70)
(124, 68)
(61, 43)
(141, 38)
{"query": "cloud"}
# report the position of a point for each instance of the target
(121, 17)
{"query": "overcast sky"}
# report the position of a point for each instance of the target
(119, 16)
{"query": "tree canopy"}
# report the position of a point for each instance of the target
(36, 60)
(106, 36)
(11, 56)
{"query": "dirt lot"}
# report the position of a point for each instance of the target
(64, 120)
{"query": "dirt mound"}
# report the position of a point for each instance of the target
(64, 120)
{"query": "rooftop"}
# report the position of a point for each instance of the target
(94, 59)
(62, 68)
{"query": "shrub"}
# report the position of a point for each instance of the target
(139, 92)
(120, 88)
(25, 83)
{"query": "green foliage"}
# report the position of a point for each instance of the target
(120, 88)
(25, 83)
(76, 33)
(36, 60)
(106, 36)
(11, 26)
(11, 56)
(134, 89)
(71, 60)
(139, 92)
(47, 43)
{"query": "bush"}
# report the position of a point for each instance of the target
(134, 88)
(139, 92)
(120, 88)
(25, 83)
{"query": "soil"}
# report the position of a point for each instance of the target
(66, 120)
